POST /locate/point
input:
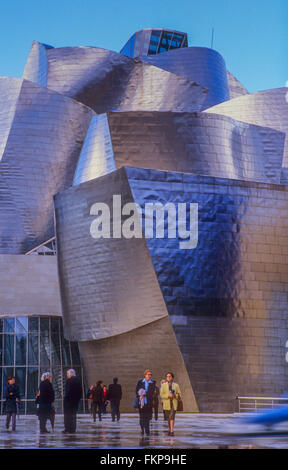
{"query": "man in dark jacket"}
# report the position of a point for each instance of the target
(114, 396)
(145, 391)
(12, 398)
(73, 394)
(45, 398)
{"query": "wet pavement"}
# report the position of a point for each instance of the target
(202, 431)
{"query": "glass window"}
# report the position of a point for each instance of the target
(1, 325)
(9, 325)
(33, 324)
(44, 350)
(9, 350)
(44, 325)
(32, 382)
(20, 379)
(75, 353)
(57, 381)
(66, 358)
(21, 347)
(33, 350)
(55, 349)
(21, 324)
(54, 325)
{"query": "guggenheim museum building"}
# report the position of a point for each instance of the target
(86, 136)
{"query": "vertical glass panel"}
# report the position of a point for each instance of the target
(33, 350)
(66, 359)
(8, 350)
(20, 379)
(57, 381)
(9, 325)
(1, 349)
(75, 353)
(44, 325)
(1, 325)
(33, 382)
(21, 324)
(44, 349)
(33, 324)
(55, 325)
(55, 349)
(21, 347)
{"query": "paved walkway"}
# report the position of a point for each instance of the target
(204, 431)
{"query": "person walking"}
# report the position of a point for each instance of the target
(145, 390)
(97, 400)
(114, 395)
(12, 399)
(72, 396)
(170, 395)
(45, 398)
(89, 397)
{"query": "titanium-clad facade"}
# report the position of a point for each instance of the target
(159, 122)
(209, 144)
(264, 108)
(42, 134)
(105, 80)
(226, 299)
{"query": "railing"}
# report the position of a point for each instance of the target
(50, 251)
(246, 404)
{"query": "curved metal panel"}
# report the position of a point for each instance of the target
(265, 108)
(9, 94)
(105, 80)
(97, 157)
(198, 64)
(41, 152)
(97, 301)
(206, 143)
(36, 68)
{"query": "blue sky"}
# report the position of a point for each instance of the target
(251, 35)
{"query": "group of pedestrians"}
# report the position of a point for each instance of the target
(147, 400)
(44, 402)
(99, 396)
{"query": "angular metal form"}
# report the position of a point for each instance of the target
(199, 143)
(235, 87)
(105, 81)
(264, 108)
(199, 64)
(42, 135)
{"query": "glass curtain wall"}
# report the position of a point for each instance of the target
(30, 346)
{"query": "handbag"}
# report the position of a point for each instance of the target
(180, 405)
(136, 402)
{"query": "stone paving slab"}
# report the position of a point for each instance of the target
(192, 431)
